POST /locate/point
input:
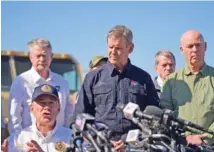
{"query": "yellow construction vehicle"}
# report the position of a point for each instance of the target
(13, 63)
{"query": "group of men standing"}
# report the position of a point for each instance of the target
(188, 92)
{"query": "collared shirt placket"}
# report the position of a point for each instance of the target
(44, 141)
(118, 98)
(47, 147)
(195, 78)
(122, 92)
(195, 89)
(44, 144)
(193, 85)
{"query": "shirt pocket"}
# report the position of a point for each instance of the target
(102, 95)
(137, 94)
(103, 98)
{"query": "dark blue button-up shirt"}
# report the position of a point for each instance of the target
(104, 88)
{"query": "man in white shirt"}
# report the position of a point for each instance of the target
(164, 65)
(45, 135)
(22, 88)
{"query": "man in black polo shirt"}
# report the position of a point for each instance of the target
(118, 81)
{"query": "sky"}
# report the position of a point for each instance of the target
(80, 28)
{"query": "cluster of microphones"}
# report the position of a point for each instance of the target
(159, 131)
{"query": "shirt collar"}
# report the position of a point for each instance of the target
(203, 71)
(37, 77)
(49, 134)
(111, 69)
(160, 81)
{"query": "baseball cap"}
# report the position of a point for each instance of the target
(95, 60)
(45, 89)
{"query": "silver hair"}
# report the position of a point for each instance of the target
(42, 42)
(121, 31)
(166, 53)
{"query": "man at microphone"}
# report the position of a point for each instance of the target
(45, 134)
(118, 81)
(189, 91)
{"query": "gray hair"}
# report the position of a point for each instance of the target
(165, 53)
(121, 31)
(42, 42)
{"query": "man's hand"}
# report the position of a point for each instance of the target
(195, 139)
(34, 147)
(118, 145)
(4, 146)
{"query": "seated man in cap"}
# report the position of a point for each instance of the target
(97, 62)
(45, 135)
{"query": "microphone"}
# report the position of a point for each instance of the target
(91, 139)
(137, 140)
(152, 110)
(83, 123)
(103, 136)
(188, 123)
(77, 138)
(86, 122)
(134, 138)
(133, 110)
(103, 128)
(83, 119)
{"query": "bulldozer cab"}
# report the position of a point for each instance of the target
(13, 63)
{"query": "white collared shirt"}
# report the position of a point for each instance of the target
(21, 97)
(160, 82)
(56, 140)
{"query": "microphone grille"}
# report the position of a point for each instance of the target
(152, 110)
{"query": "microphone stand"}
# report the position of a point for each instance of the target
(90, 138)
(76, 141)
(102, 138)
(168, 147)
(142, 127)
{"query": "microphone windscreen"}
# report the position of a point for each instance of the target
(82, 120)
(155, 111)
